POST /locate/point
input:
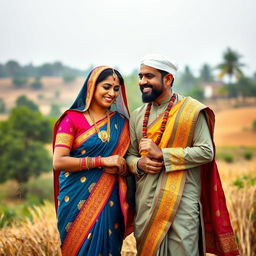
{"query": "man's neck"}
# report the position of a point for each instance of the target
(165, 95)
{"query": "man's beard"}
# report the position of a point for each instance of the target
(154, 94)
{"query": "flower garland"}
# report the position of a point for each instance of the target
(164, 121)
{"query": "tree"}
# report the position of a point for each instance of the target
(24, 101)
(231, 65)
(22, 151)
(68, 78)
(19, 81)
(55, 110)
(37, 84)
(206, 74)
(2, 106)
(13, 68)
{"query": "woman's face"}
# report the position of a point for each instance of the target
(106, 92)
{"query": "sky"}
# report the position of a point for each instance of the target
(119, 33)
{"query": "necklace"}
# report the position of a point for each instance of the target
(164, 121)
(103, 135)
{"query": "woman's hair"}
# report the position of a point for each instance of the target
(109, 72)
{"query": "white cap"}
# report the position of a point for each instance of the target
(159, 61)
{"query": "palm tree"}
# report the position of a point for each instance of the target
(231, 65)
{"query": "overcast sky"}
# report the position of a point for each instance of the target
(119, 32)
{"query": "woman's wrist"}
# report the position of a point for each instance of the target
(87, 163)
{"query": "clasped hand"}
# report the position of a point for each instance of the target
(115, 165)
(152, 161)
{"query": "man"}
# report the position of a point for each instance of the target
(172, 156)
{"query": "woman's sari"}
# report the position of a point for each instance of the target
(92, 208)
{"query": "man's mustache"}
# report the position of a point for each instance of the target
(145, 86)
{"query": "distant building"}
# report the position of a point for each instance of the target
(213, 90)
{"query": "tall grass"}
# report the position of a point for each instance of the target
(39, 235)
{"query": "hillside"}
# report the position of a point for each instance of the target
(233, 125)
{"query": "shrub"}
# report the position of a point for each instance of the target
(254, 125)
(248, 155)
(39, 189)
(37, 84)
(19, 81)
(68, 78)
(245, 180)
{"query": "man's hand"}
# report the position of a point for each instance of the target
(151, 166)
(150, 147)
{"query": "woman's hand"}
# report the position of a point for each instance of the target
(114, 165)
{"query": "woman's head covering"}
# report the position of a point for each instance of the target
(85, 96)
(160, 62)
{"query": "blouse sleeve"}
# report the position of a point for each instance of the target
(66, 133)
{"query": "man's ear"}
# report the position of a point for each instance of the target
(168, 79)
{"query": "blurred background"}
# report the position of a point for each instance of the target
(47, 49)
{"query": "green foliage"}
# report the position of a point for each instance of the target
(231, 65)
(22, 151)
(227, 157)
(24, 101)
(206, 74)
(19, 81)
(37, 84)
(7, 216)
(68, 78)
(2, 106)
(55, 110)
(39, 189)
(40, 96)
(16, 214)
(197, 93)
(13, 69)
(254, 125)
(243, 181)
(248, 155)
(132, 90)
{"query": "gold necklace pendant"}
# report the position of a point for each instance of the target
(104, 136)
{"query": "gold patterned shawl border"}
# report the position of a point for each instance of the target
(161, 218)
(88, 215)
(64, 139)
(88, 133)
(163, 213)
(174, 109)
(226, 243)
(91, 84)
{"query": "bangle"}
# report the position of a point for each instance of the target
(98, 161)
(83, 163)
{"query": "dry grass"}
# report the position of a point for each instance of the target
(40, 237)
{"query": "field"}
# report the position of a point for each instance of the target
(236, 154)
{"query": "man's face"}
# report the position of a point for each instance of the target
(151, 83)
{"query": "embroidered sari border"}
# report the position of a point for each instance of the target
(64, 139)
(88, 215)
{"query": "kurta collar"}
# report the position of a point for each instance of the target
(164, 101)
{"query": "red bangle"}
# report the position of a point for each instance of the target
(98, 161)
(83, 163)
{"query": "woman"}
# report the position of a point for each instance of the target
(90, 140)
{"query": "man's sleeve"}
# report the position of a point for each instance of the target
(133, 154)
(200, 153)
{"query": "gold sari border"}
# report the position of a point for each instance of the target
(88, 215)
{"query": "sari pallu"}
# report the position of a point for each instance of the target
(89, 200)
(179, 133)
